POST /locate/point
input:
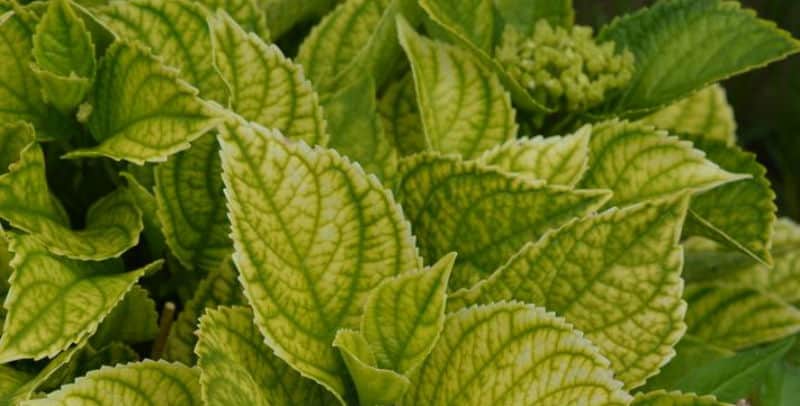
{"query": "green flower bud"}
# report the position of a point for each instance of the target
(564, 69)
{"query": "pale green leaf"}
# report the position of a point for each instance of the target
(265, 86)
(113, 223)
(141, 111)
(356, 129)
(219, 288)
(523, 14)
(556, 160)
(463, 106)
(664, 398)
(20, 94)
(133, 320)
(64, 56)
(282, 15)
(139, 383)
(249, 14)
(357, 38)
(313, 235)
(513, 354)
(638, 162)
(404, 316)
(54, 301)
(14, 137)
(482, 214)
(146, 203)
(615, 276)
(237, 368)
(741, 214)
(375, 386)
(706, 114)
(737, 317)
(400, 116)
(663, 38)
(15, 387)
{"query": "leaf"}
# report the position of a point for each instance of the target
(313, 235)
(145, 382)
(706, 114)
(237, 368)
(400, 116)
(19, 387)
(54, 301)
(357, 38)
(781, 386)
(523, 14)
(404, 316)
(513, 353)
(20, 94)
(136, 96)
(741, 214)
(690, 353)
(113, 223)
(265, 86)
(219, 288)
(615, 276)
(663, 398)
(483, 214)
(133, 320)
(638, 162)
(464, 108)
(736, 317)
(14, 137)
(556, 160)
(665, 36)
(285, 14)
(375, 386)
(146, 203)
(356, 129)
(64, 55)
(248, 14)
(732, 378)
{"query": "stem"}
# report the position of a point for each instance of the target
(164, 325)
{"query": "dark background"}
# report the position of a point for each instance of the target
(766, 101)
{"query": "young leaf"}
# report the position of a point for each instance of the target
(464, 108)
(615, 276)
(738, 317)
(556, 160)
(356, 129)
(266, 87)
(237, 368)
(483, 214)
(513, 353)
(638, 163)
(133, 320)
(249, 14)
(64, 55)
(146, 382)
(136, 98)
(732, 378)
(375, 386)
(705, 114)
(400, 116)
(523, 14)
(404, 316)
(313, 235)
(741, 214)
(664, 398)
(219, 288)
(54, 301)
(664, 37)
(113, 223)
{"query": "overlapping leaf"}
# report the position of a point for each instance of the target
(463, 106)
(16, 387)
(54, 301)
(706, 114)
(513, 353)
(690, 354)
(219, 288)
(664, 37)
(237, 368)
(664, 398)
(400, 116)
(249, 14)
(146, 382)
(638, 163)
(313, 235)
(133, 320)
(556, 160)
(523, 14)
(615, 276)
(483, 214)
(282, 15)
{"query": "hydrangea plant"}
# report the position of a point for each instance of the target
(461, 202)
